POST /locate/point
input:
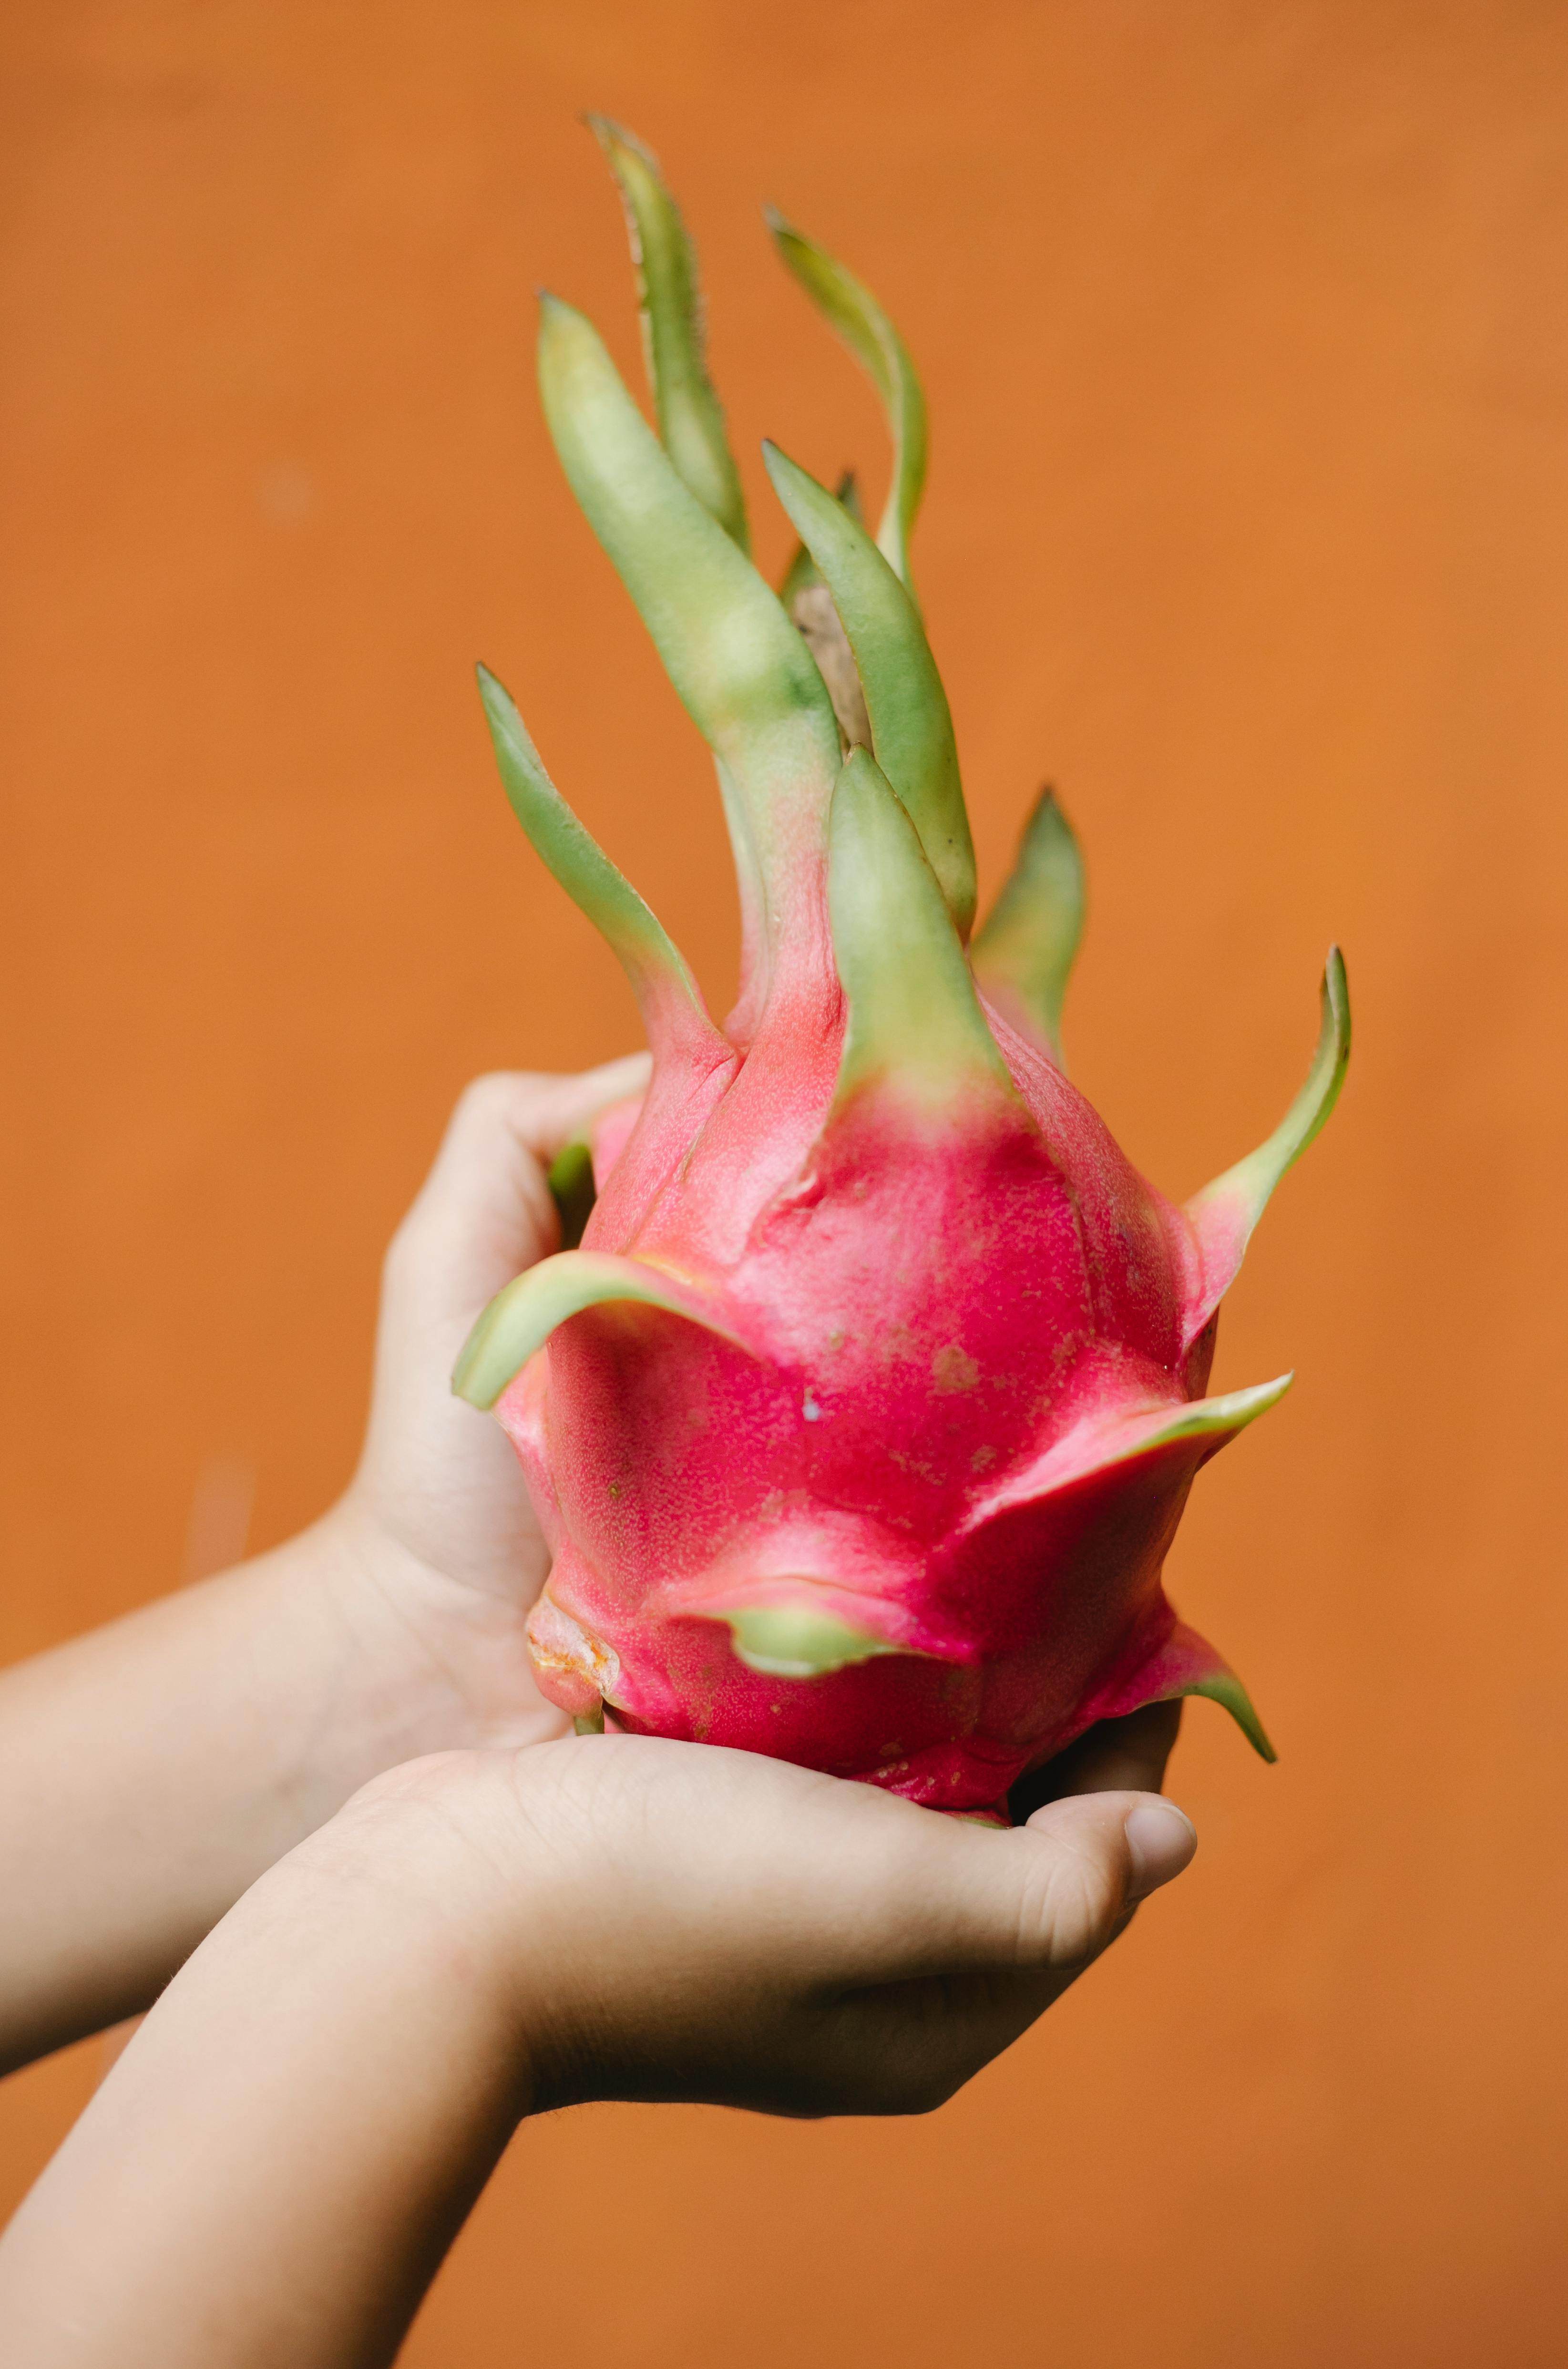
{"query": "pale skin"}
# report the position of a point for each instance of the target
(427, 1912)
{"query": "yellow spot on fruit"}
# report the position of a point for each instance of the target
(951, 1370)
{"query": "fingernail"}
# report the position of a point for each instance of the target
(1162, 1839)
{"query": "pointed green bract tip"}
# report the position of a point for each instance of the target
(741, 669)
(520, 1319)
(797, 1640)
(1024, 950)
(911, 727)
(691, 417)
(1233, 1204)
(851, 309)
(809, 604)
(914, 1019)
(1228, 1413)
(1309, 1114)
(803, 570)
(1226, 1688)
(846, 493)
(668, 995)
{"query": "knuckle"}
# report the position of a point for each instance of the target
(1070, 1909)
(492, 1094)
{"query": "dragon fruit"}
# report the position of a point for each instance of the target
(861, 1420)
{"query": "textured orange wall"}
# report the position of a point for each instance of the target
(1245, 332)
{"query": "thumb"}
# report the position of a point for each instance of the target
(1048, 1897)
(1092, 1858)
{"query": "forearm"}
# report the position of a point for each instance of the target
(270, 2174)
(275, 2167)
(149, 1772)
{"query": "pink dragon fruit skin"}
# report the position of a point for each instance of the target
(861, 1423)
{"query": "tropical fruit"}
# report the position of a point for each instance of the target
(861, 1419)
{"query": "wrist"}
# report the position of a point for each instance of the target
(438, 1664)
(503, 1852)
(424, 1874)
(474, 1857)
(325, 2084)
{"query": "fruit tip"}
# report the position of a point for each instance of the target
(492, 690)
(1336, 990)
(612, 134)
(781, 469)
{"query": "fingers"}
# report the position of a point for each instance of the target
(1080, 1863)
(484, 1212)
(850, 1885)
(1118, 1755)
(539, 1111)
(1037, 1906)
(962, 1954)
(1161, 1841)
(708, 1923)
(913, 1895)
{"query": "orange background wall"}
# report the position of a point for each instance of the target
(1245, 329)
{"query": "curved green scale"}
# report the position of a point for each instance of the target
(796, 1641)
(1023, 951)
(1224, 1214)
(802, 572)
(810, 606)
(667, 996)
(1225, 1687)
(741, 669)
(691, 417)
(1228, 1414)
(1254, 1179)
(520, 1320)
(911, 726)
(870, 335)
(914, 1019)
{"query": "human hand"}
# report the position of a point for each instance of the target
(698, 1924)
(151, 1770)
(274, 2169)
(437, 1521)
